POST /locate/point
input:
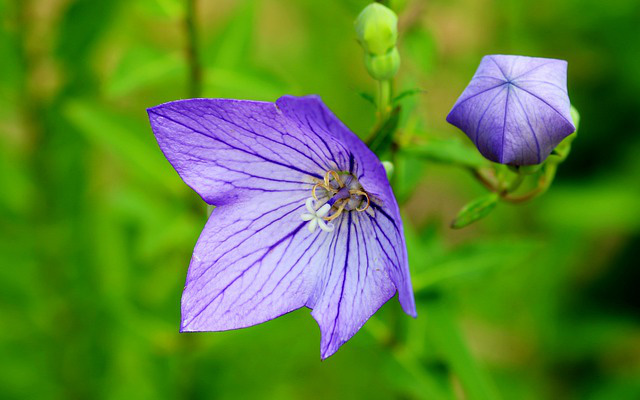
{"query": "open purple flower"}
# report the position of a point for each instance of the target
(304, 216)
(515, 109)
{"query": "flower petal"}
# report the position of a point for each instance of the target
(253, 262)
(227, 149)
(354, 281)
(310, 112)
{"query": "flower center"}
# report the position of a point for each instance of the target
(337, 193)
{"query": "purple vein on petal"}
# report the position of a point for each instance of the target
(532, 69)
(322, 167)
(483, 113)
(539, 81)
(383, 212)
(366, 252)
(243, 230)
(533, 132)
(270, 248)
(344, 279)
(304, 253)
(479, 93)
(322, 140)
(375, 232)
(545, 102)
(235, 147)
(500, 68)
(504, 123)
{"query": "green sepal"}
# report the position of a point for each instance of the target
(525, 169)
(575, 116)
(477, 209)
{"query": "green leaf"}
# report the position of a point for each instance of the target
(448, 151)
(406, 93)
(477, 209)
(369, 98)
(128, 139)
(143, 68)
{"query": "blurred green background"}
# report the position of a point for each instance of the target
(537, 301)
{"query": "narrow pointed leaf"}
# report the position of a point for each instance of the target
(475, 210)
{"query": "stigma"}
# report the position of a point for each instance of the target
(338, 193)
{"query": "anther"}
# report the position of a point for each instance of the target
(338, 211)
(339, 193)
(361, 193)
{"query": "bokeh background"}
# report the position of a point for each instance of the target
(537, 301)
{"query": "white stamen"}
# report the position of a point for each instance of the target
(315, 216)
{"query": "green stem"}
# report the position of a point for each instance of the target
(515, 183)
(543, 184)
(384, 100)
(195, 71)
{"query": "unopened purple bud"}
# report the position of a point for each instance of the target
(515, 109)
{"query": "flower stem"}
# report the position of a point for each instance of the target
(384, 100)
(195, 71)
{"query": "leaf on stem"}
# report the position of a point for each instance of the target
(477, 209)
(369, 98)
(406, 93)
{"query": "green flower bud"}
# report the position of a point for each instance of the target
(383, 67)
(377, 29)
(388, 167)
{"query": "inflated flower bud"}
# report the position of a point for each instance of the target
(377, 32)
(515, 109)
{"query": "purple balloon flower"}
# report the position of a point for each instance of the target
(304, 216)
(515, 109)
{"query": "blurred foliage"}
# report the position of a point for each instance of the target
(536, 301)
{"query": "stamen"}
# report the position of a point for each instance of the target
(322, 185)
(335, 176)
(361, 193)
(339, 197)
(338, 212)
